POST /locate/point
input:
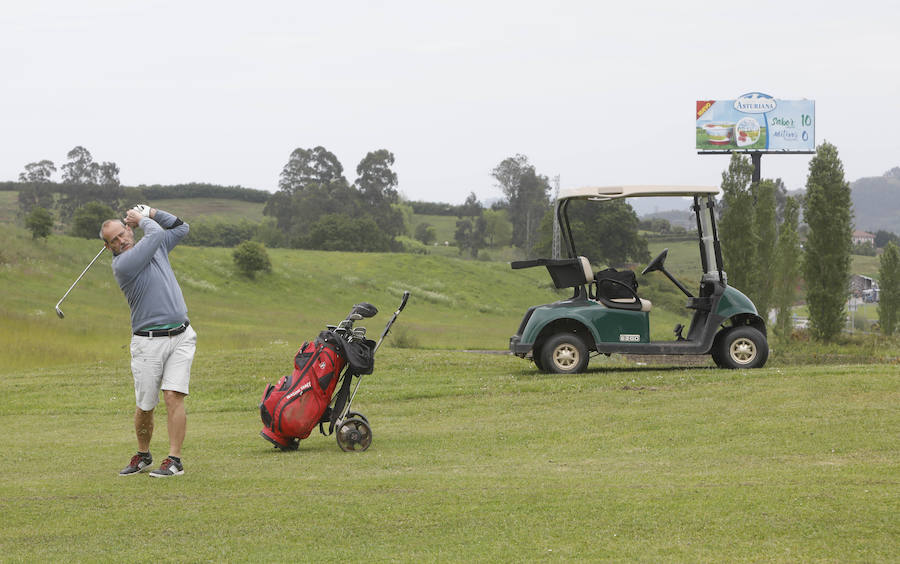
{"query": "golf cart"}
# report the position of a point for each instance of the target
(605, 315)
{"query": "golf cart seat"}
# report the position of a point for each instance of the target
(619, 290)
(566, 273)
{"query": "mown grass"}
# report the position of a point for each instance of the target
(213, 209)
(476, 457)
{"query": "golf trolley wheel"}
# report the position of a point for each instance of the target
(354, 435)
(352, 414)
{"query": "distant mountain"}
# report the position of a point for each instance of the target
(876, 202)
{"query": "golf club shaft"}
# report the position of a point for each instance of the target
(80, 276)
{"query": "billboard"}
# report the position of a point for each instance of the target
(756, 122)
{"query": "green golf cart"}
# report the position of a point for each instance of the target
(606, 315)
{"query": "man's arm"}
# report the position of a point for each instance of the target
(175, 228)
(131, 262)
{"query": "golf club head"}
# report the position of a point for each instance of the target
(59, 312)
(364, 309)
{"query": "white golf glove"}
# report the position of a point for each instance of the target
(142, 209)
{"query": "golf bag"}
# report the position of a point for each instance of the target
(298, 402)
(295, 405)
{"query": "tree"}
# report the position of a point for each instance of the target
(737, 228)
(606, 233)
(39, 222)
(86, 181)
(81, 168)
(313, 189)
(471, 227)
(377, 186)
(786, 273)
(38, 173)
(882, 238)
(425, 233)
(527, 194)
(310, 166)
(498, 229)
(470, 234)
(251, 257)
(87, 219)
(341, 232)
(826, 265)
(377, 182)
(889, 284)
(766, 231)
(108, 174)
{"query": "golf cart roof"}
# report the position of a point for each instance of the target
(610, 192)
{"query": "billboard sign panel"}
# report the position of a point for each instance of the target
(756, 122)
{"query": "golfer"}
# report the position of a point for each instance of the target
(163, 344)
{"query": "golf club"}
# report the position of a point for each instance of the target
(59, 312)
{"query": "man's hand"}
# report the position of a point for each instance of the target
(133, 218)
(142, 209)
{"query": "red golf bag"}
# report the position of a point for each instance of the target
(296, 404)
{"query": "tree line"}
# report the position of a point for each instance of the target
(761, 246)
(317, 207)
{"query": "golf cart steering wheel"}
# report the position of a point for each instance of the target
(658, 263)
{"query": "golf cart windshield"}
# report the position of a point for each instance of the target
(703, 208)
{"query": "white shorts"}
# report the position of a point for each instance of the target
(161, 363)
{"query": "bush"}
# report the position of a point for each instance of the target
(87, 219)
(251, 257)
(426, 233)
(39, 222)
(408, 245)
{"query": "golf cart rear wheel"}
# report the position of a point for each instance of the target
(354, 435)
(536, 358)
(741, 347)
(564, 353)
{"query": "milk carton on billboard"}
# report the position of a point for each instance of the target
(756, 122)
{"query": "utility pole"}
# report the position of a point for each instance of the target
(555, 250)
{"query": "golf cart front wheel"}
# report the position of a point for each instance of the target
(354, 435)
(564, 353)
(741, 347)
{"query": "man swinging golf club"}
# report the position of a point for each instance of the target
(163, 343)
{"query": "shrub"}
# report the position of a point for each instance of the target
(251, 257)
(412, 246)
(39, 222)
(87, 219)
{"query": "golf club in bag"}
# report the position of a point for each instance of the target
(291, 408)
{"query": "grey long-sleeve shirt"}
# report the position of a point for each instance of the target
(145, 275)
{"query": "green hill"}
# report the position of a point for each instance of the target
(455, 304)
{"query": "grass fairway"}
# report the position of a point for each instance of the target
(476, 457)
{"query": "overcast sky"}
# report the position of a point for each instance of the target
(598, 93)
